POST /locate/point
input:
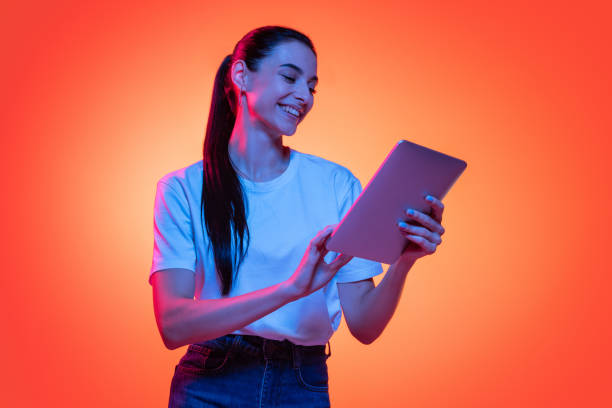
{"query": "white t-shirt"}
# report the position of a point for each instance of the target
(283, 215)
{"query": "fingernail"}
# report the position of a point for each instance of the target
(402, 224)
(411, 212)
(429, 198)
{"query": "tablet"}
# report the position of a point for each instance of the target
(409, 172)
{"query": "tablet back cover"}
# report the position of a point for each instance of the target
(409, 172)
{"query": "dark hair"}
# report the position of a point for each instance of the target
(224, 211)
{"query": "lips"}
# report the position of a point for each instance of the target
(291, 115)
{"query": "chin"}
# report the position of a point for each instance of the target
(287, 130)
(291, 132)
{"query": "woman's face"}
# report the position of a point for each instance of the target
(280, 93)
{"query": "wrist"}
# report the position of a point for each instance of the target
(403, 265)
(288, 291)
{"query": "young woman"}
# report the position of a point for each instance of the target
(236, 274)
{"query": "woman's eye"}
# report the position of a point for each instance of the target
(292, 80)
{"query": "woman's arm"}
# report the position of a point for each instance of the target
(368, 309)
(182, 320)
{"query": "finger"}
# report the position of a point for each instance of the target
(322, 235)
(340, 261)
(322, 248)
(425, 220)
(318, 242)
(437, 208)
(421, 231)
(426, 245)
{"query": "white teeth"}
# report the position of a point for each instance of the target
(290, 110)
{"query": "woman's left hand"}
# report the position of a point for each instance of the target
(426, 235)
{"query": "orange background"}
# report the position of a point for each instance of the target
(100, 99)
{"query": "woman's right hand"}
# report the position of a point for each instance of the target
(313, 272)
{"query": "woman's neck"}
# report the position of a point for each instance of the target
(255, 155)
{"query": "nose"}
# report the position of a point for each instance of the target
(303, 91)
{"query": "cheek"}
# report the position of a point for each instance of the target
(263, 104)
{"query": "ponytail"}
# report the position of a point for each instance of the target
(224, 211)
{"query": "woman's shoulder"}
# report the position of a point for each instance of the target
(324, 167)
(185, 175)
(185, 181)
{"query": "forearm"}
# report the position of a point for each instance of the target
(378, 305)
(193, 321)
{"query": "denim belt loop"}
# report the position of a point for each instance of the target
(264, 351)
(269, 349)
(297, 361)
(237, 338)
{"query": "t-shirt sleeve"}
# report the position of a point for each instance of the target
(358, 268)
(173, 245)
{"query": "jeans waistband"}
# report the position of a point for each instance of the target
(267, 348)
(278, 348)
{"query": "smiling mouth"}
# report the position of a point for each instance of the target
(289, 111)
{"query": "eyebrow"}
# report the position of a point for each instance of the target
(298, 69)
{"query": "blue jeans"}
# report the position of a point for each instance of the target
(250, 371)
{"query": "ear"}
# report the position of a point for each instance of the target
(239, 74)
